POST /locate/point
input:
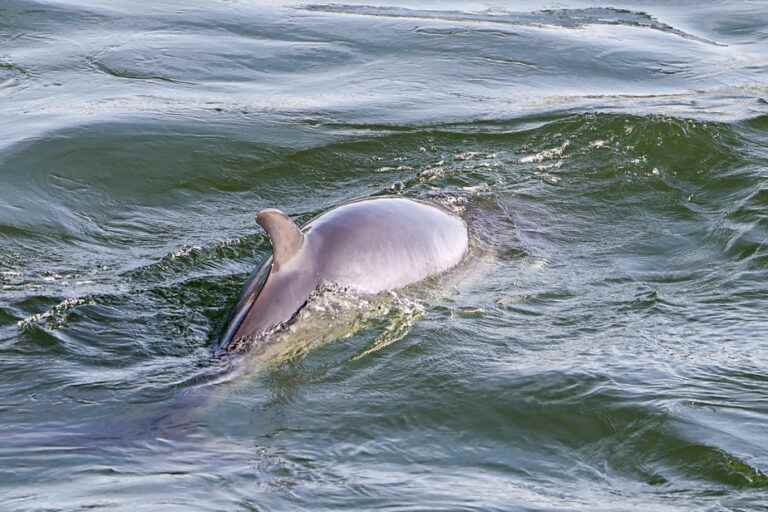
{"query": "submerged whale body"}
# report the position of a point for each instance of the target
(367, 246)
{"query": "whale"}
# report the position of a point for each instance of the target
(367, 246)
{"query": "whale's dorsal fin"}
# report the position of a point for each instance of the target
(284, 234)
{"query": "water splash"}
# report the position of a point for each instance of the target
(335, 313)
(55, 317)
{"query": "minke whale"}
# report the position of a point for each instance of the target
(367, 246)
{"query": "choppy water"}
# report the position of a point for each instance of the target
(604, 347)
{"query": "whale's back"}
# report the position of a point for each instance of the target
(387, 243)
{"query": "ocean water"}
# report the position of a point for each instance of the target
(604, 346)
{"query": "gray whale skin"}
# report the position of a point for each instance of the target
(368, 246)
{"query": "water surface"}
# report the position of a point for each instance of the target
(603, 347)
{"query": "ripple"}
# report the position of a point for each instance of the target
(11, 76)
(179, 58)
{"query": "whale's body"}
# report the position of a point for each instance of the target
(368, 246)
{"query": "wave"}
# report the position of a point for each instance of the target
(562, 18)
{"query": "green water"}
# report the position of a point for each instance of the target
(603, 346)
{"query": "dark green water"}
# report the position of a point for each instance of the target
(603, 347)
